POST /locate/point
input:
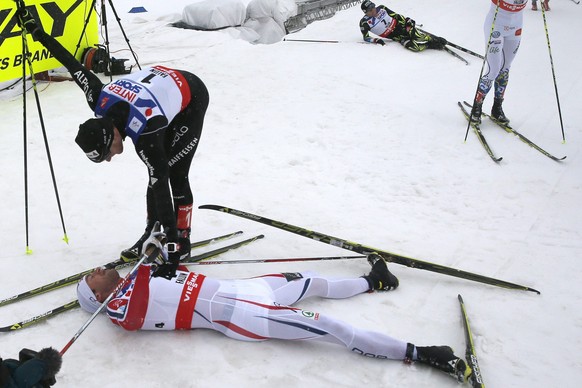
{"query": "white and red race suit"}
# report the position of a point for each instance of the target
(254, 309)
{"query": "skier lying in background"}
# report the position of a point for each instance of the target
(254, 309)
(32, 369)
(388, 24)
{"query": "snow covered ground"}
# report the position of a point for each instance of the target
(358, 141)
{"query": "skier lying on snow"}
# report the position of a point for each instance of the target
(388, 24)
(254, 309)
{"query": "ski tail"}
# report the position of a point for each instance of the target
(454, 54)
(480, 136)
(476, 378)
(508, 128)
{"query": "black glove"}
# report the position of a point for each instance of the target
(177, 251)
(409, 23)
(25, 19)
(380, 42)
(166, 270)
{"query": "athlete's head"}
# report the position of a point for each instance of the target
(367, 6)
(95, 137)
(94, 288)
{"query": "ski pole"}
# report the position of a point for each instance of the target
(25, 140)
(465, 50)
(454, 54)
(461, 48)
(553, 75)
(26, 58)
(310, 40)
(284, 260)
(322, 41)
(151, 252)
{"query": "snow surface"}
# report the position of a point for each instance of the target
(358, 141)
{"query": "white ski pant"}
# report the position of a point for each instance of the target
(503, 47)
(260, 308)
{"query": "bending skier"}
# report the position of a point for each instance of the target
(162, 111)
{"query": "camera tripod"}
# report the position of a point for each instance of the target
(104, 24)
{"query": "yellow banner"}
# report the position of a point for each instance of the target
(62, 19)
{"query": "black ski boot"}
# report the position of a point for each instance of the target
(476, 113)
(437, 43)
(379, 277)
(497, 112)
(134, 252)
(441, 358)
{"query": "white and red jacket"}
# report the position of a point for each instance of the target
(148, 303)
(510, 5)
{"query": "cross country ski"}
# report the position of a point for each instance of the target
(475, 379)
(510, 129)
(365, 250)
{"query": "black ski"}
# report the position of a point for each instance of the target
(218, 251)
(75, 303)
(475, 379)
(454, 54)
(527, 141)
(365, 250)
(473, 53)
(31, 321)
(460, 48)
(479, 134)
(117, 264)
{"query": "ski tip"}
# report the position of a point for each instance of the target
(534, 290)
(66, 238)
(28, 250)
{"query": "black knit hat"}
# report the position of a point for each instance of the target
(95, 137)
(367, 5)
